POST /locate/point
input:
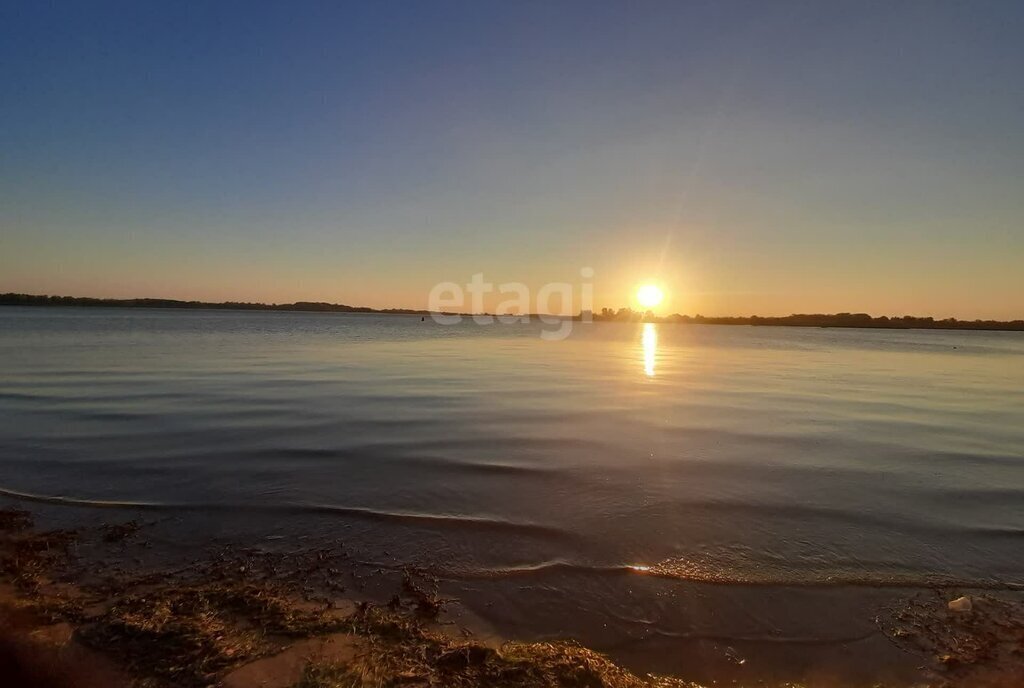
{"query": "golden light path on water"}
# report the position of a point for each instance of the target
(649, 340)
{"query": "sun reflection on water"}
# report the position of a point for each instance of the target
(650, 346)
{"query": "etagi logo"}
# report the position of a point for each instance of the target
(448, 299)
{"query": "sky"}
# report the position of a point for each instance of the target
(752, 158)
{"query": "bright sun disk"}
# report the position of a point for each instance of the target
(649, 295)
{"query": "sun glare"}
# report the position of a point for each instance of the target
(649, 341)
(649, 295)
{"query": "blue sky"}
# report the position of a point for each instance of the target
(751, 157)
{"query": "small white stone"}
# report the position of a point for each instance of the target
(960, 604)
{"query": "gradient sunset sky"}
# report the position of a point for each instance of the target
(763, 157)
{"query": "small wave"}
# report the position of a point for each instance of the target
(483, 522)
(380, 454)
(294, 458)
(740, 638)
(924, 522)
(409, 517)
(716, 574)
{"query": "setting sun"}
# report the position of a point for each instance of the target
(649, 295)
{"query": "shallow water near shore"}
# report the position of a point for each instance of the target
(672, 494)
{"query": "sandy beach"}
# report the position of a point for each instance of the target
(90, 607)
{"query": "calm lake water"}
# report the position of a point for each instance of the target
(606, 486)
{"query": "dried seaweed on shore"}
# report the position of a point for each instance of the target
(190, 627)
(189, 634)
(980, 647)
(13, 520)
(25, 554)
(401, 651)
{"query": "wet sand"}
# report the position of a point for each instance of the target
(102, 604)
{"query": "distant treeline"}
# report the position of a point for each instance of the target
(33, 300)
(903, 322)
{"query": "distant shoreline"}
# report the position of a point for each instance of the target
(841, 320)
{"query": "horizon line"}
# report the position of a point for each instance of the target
(605, 314)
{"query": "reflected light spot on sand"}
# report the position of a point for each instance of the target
(650, 347)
